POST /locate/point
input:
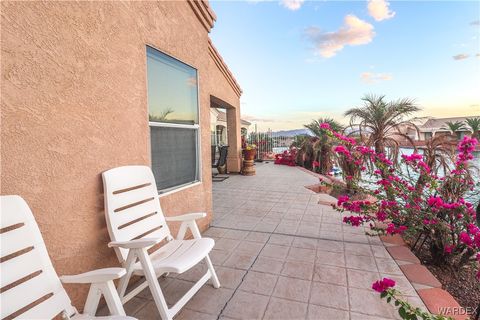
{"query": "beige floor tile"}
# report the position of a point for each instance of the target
(358, 249)
(329, 295)
(218, 257)
(388, 266)
(361, 279)
(209, 300)
(280, 309)
(380, 252)
(302, 270)
(329, 245)
(261, 237)
(330, 258)
(281, 240)
(259, 282)
(246, 306)
(300, 254)
(187, 314)
(292, 289)
(305, 243)
(148, 312)
(366, 263)
(330, 274)
(369, 302)
(249, 247)
(323, 313)
(176, 290)
(268, 265)
(229, 278)
(226, 244)
(239, 260)
(274, 251)
(360, 316)
(235, 234)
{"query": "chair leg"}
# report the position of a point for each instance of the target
(93, 298)
(152, 280)
(122, 286)
(215, 281)
(111, 297)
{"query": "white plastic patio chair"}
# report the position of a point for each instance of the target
(136, 223)
(30, 287)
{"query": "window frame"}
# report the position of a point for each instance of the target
(195, 126)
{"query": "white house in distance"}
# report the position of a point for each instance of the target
(218, 127)
(438, 126)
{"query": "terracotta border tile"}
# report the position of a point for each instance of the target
(436, 299)
(417, 273)
(402, 253)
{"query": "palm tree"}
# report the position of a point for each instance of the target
(454, 127)
(474, 124)
(322, 147)
(162, 116)
(383, 120)
(300, 142)
(439, 153)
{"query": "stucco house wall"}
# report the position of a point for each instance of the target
(74, 104)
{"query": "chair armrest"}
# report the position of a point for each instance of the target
(95, 276)
(187, 217)
(135, 244)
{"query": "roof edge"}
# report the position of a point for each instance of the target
(222, 66)
(204, 13)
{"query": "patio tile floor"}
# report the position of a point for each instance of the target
(281, 255)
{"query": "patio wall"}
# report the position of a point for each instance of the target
(74, 104)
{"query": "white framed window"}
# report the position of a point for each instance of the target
(173, 111)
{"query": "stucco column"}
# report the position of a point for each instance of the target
(234, 140)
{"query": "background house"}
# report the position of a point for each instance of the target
(438, 126)
(219, 127)
(88, 86)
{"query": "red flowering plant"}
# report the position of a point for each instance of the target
(287, 157)
(412, 199)
(406, 311)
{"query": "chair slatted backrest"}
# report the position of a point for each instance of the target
(30, 287)
(132, 206)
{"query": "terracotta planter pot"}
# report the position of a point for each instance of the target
(250, 154)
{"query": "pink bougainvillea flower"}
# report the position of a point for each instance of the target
(449, 248)
(324, 125)
(435, 202)
(473, 229)
(383, 285)
(465, 238)
(392, 229)
(354, 220)
(342, 199)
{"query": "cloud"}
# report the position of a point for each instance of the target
(475, 23)
(354, 32)
(477, 55)
(370, 77)
(379, 10)
(292, 4)
(460, 56)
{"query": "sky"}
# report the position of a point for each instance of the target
(300, 60)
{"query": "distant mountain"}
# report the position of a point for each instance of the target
(291, 133)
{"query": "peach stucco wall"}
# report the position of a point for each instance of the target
(74, 104)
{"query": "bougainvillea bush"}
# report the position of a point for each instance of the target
(419, 204)
(287, 157)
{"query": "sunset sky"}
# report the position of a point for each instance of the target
(298, 60)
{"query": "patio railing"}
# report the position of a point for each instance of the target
(269, 143)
